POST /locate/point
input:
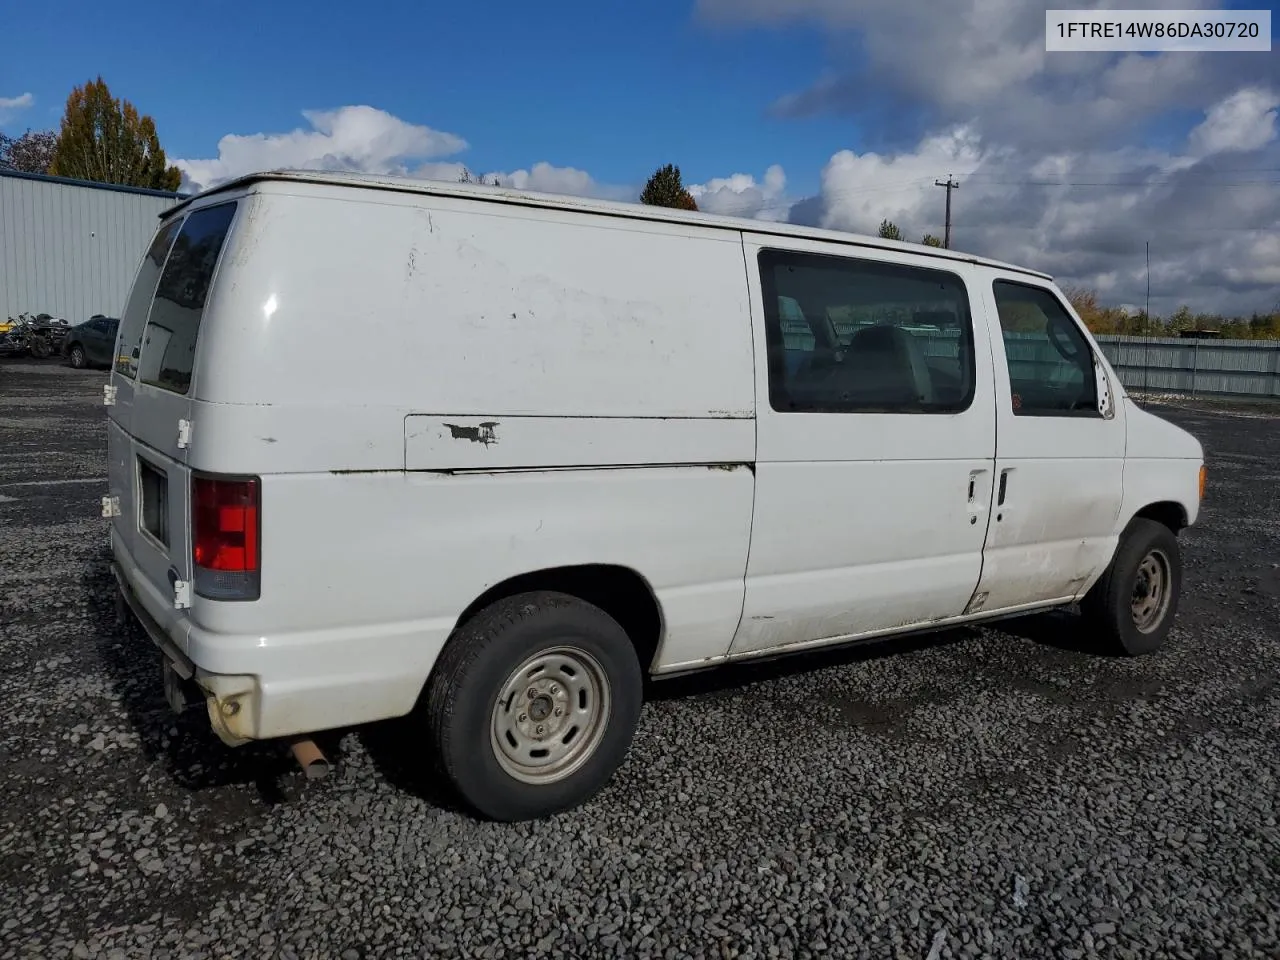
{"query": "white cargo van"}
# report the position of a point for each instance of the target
(383, 447)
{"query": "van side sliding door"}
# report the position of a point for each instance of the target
(875, 442)
(1060, 459)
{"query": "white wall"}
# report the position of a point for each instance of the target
(70, 249)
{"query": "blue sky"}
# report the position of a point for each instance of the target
(584, 84)
(832, 112)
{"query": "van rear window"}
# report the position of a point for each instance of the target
(134, 318)
(169, 341)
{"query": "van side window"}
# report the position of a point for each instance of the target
(1051, 367)
(862, 336)
(134, 317)
(169, 344)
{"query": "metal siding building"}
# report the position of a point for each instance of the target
(70, 247)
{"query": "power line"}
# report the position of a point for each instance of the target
(1153, 182)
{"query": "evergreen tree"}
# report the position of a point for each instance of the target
(889, 231)
(105, 140)
(666, 189)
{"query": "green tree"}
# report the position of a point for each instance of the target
(1265, 326)
(31, 153)
(106, 140)
(1096, 317)
(929, 240)
(666, 189)
(466, 176)
(1182, 319)
(889, 231)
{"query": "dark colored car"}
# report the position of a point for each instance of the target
(92, 343)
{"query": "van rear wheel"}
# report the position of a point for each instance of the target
(533, 704)
(1133, 605)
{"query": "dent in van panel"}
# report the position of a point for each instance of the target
(442, 442)
(1047, 572)
(1054, 530)
(480, 433)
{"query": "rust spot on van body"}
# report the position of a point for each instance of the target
(484, 433)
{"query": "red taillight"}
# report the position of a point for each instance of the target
(225, 525)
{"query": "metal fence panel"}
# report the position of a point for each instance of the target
(1232, 368)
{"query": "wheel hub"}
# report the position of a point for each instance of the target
(550, 715)
(1151, 589)
(545, 711)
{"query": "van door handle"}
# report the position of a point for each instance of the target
(1004, 482)
(975, 507)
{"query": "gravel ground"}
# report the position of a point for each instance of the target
(1003, 793)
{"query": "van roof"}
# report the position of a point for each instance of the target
(634, 211)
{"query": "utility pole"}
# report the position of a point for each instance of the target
(950, 185)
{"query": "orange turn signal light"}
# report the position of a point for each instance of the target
(1204, 472)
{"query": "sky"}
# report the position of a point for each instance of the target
(832, 113)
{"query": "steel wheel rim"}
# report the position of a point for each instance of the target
(1151, 591)
(533, 742)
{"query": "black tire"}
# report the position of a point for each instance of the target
(1111, 605)
(77, 357)
(475, 667)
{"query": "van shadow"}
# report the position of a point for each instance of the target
(1059, 630)
(192, 755)
(402, 756)
(734, 676)
(196, 760)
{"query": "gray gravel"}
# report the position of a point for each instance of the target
(1002, 793)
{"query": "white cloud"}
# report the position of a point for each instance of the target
(368, 140)
(545, 178)
(910, 66)
(740, 195)
(1086, 215)
(10, 107)
(349, 138)
(1046, 146)
(1244, 121)
(859, 190)
(1081, 212)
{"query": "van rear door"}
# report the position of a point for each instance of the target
(151, 419)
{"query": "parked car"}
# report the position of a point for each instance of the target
(599, 451)
(92, 343)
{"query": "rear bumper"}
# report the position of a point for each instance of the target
(287, 685)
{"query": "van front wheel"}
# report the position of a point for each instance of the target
(1133, 605)
(533, 704)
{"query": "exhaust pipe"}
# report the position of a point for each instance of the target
(313, 763)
